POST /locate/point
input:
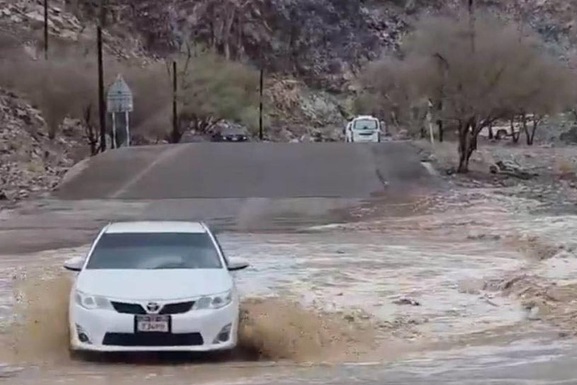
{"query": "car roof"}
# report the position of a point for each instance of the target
(156, 227)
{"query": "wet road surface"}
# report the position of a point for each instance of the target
(247, 170)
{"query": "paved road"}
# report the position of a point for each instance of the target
(248, 170)
(237, 187)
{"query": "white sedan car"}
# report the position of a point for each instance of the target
(154, 286)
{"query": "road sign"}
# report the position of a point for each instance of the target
(119, 98)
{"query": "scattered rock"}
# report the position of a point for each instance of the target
(451, 171)
(511, 169)
(406, 301)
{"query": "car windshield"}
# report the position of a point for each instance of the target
(154, 251)
(232, 131)
(365, 124)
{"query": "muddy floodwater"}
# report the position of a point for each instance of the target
(406, 297)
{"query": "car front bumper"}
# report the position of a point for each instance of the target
(195, 331)
(366, 138)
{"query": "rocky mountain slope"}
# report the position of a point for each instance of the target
(321, 41)
(30, 161)
(311, 51)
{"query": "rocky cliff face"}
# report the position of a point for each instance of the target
(322, 42)
(317, 40)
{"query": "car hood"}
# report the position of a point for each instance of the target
(154, 284)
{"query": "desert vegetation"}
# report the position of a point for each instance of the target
(467, 77)
(210, 88)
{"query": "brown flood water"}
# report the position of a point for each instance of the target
(325, 296)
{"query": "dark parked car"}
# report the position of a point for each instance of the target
(230, 134)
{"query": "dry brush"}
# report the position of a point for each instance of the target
(506, 73)
(211, 89)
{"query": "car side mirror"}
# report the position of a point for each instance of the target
(235, 264)
(74, 264)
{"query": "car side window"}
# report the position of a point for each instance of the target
(220, 249)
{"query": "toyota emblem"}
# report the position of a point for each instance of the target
(152, 307)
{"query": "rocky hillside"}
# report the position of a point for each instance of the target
(323, 42)
(311, 51)
(31, 161)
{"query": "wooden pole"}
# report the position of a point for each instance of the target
(175, 130)
(260, 104)
(101, 101)
(45, 29)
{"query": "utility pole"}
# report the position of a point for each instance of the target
(175, 130)
(101, 101)
(45, 29)
(471, 9)
(443, 69)
(522, 21)
(260, 104)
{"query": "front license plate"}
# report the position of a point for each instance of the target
(152, 323)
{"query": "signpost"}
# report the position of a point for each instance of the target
(119, 100)
(430, 121)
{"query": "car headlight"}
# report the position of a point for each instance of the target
(213, 301)
(88, 301)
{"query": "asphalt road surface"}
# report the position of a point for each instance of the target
(247, 170)
(235, 187)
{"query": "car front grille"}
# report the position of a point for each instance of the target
(128, 308)
(167, 309)
(152, 339)
(177, 307)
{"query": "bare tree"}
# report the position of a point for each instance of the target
(66, 86)
(506, 75)
(392, 90)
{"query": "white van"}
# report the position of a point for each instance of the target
(364, 128)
